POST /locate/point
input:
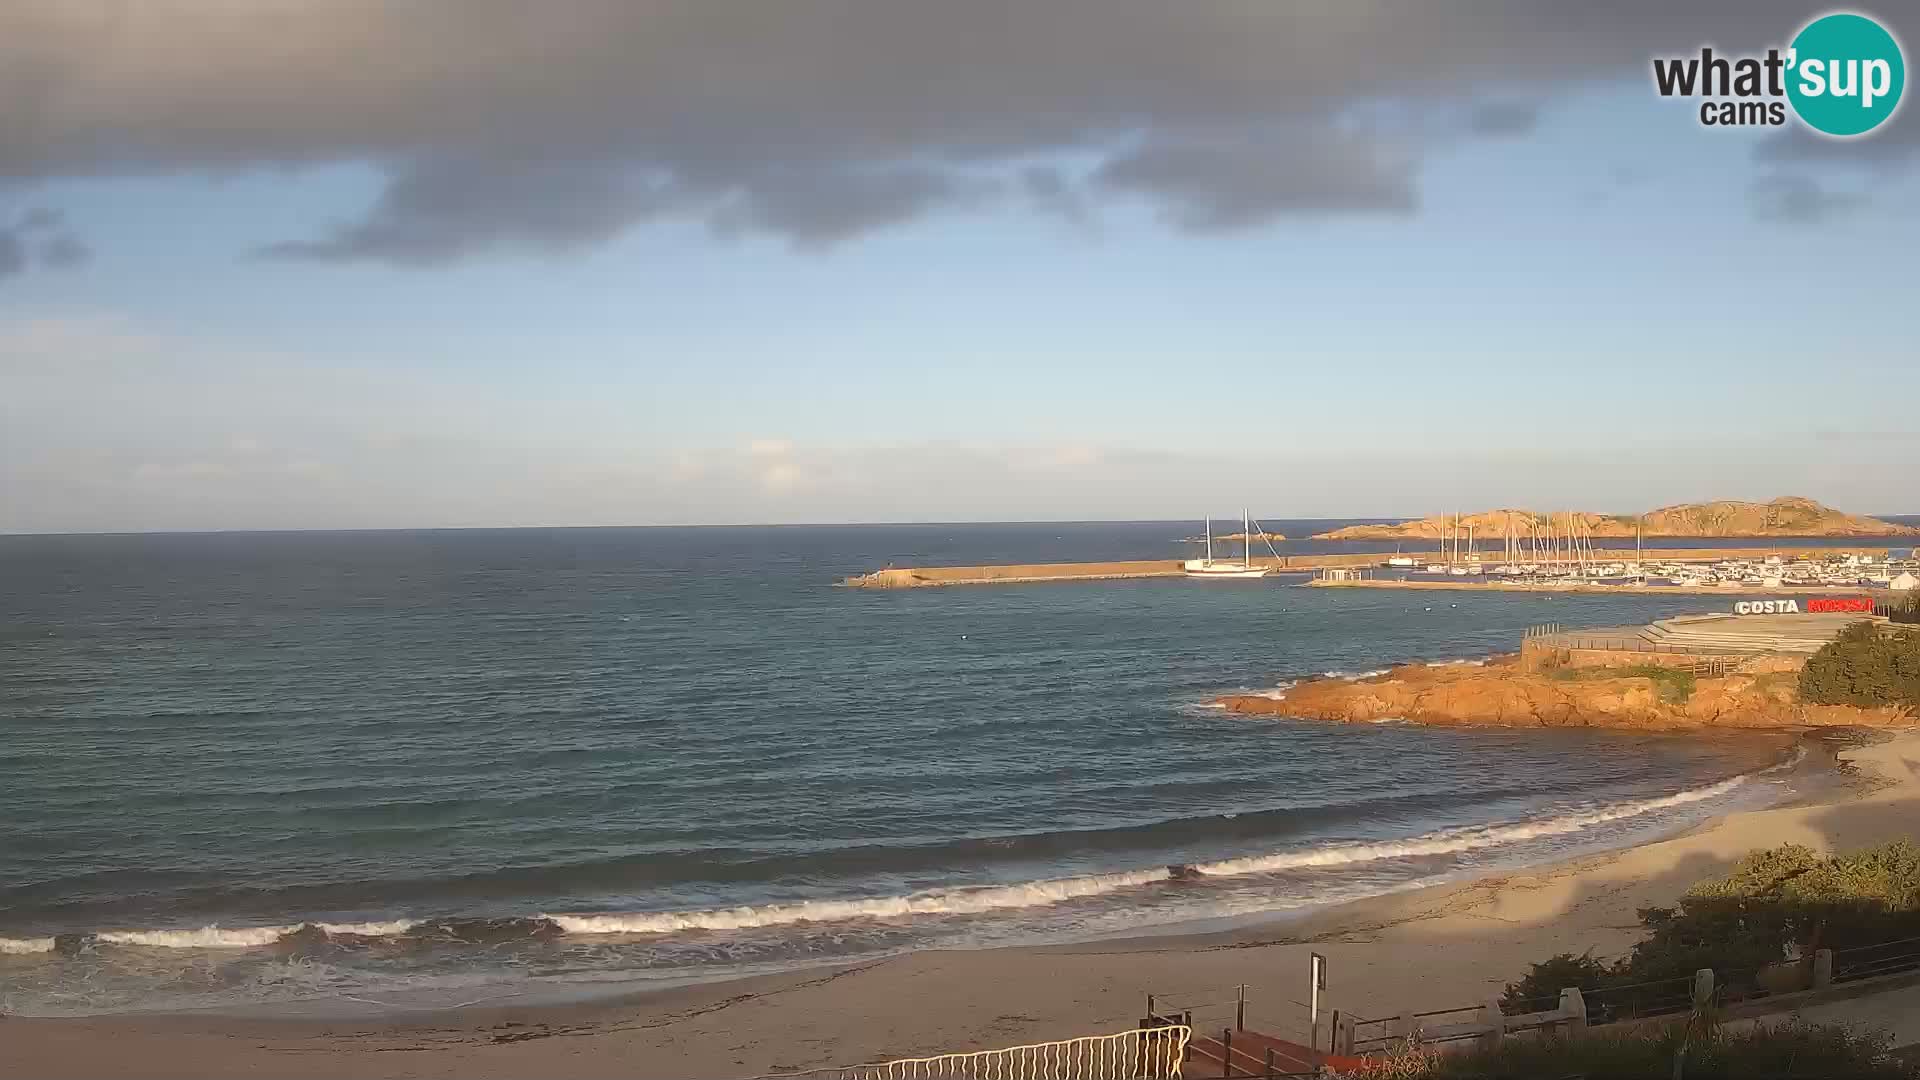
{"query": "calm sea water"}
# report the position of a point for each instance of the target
(440, 766)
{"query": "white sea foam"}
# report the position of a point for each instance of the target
(1456, 663)
(1279, 692)
(1451, 841)
(943, 902)
(22, 946)
(390, 928)
(206, 937)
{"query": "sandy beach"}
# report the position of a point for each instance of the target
(1427, 949)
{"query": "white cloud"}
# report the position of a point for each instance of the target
(769, 447)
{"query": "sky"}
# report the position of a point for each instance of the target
(351, 264)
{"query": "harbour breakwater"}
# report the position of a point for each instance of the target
(913, 577)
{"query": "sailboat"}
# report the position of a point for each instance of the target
(1210, 567)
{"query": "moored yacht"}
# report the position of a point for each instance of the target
(1210, 567)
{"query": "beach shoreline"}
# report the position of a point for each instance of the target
(1430, 947)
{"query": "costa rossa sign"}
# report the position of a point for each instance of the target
(1852, 604)
(1824, 605)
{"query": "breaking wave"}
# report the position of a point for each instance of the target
(954, 901)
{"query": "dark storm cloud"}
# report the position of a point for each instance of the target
(1791, 199)
(509, 126)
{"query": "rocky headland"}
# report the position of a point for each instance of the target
(1786, 516)
(1500, 692)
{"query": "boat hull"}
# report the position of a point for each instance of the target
(1193, 571)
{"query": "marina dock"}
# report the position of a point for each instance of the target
(915, 577)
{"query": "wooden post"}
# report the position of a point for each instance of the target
(1407, 1029)
(1269, 1063)
(1343, 1034)
(1150, 1005)
(1226, 1051)
(1703, 988)
(1240, 1010)
(1822, 968)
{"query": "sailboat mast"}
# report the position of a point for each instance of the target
(1246, 532)
(1209, 537)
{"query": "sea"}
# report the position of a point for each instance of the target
(411, 769)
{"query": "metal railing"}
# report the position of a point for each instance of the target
(1635, 1001)
(1884, 958)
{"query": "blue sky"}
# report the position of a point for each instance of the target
(1606, 307)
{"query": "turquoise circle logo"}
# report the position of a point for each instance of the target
(1845, 74)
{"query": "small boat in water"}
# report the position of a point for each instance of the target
(1210, 567)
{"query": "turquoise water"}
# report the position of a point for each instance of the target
(449, 765)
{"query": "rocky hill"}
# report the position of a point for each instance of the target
(1499, 693)
(1786, 516)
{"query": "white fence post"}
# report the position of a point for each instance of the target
(1496, 1022)
(1573, 1009)
(1407, 1028)
(1703, 988)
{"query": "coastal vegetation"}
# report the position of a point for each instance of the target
(1777, 906)
(1674, 686)
(1786, 516)
(1786, 1051)
(1865, 666)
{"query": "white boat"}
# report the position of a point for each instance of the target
(1210, 567)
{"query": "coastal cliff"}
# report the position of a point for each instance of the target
(1498, 692)
(1786, 516)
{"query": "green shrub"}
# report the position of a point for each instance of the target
(1672, 684)
(1539, 990)
(1787, 1051)
(1864, 666)
(1775, 904)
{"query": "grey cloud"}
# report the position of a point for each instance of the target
(1503, 118)
(40, 237)
(1896, 143)
(63, 251)
(13, 255)
(817, 207)
(1051, 192)
(1230, 184)
(439, 210)
(1792, 199)
(511, 127)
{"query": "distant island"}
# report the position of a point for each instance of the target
(1786, 516)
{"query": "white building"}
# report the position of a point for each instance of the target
(1905, 581)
